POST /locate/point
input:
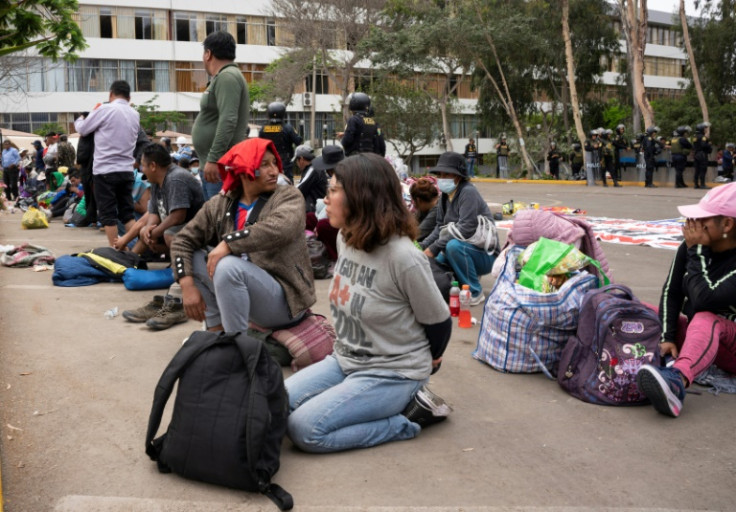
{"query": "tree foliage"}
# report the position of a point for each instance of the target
(153, 119)
(46, 25)
(407, 114)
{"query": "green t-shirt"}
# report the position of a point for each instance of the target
(223, 115)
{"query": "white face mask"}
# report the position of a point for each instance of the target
(447, 185)
(194, 170)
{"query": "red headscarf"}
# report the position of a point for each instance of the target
(244, 158)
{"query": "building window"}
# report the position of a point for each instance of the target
(186, 26)
(107, 24)
(271, 33)
(143, 25)
(144, 78)
(241, 30)
(322, 84)
(215, 23)
(190, 77)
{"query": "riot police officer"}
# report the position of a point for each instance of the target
(608, 158)
(553, 157)
(577, 161)
(282, 134)
(680, 147)
(593, 149)
(702, 149)
(619, 144)
(502, 158)
(362, 133)
(651, 147)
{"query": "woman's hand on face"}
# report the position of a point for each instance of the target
(695, 233)
(214, 257)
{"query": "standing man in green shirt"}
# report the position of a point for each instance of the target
(223, 110)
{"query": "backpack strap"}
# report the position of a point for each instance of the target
(197, 343)
(251, 350)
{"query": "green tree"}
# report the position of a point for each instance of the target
(153, 119)
(407, 115)
(46, 25)
(49, 127)
(420, 41)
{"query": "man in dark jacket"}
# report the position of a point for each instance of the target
(313, 183)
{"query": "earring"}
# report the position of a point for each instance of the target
(725, 235)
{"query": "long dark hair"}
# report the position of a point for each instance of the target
(376, 209)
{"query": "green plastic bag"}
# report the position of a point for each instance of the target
(550, 257)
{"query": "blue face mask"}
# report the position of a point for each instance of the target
(194, 170)
(447, 185)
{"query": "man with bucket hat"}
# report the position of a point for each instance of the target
(701, 285)
(465, 236)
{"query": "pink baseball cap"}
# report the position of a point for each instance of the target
(719, 201)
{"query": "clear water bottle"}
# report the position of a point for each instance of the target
(464, 319)
(454, 299)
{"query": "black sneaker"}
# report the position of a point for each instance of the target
(170, 314)
(426, 408)
(143, 313)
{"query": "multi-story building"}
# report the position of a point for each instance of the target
(156, 46)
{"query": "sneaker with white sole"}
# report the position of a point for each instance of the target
(663, 387)
(478, 299)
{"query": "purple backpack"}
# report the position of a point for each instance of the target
(616, 335)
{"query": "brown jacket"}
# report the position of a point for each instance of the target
(276, 242)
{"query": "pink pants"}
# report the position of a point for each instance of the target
(709, 339)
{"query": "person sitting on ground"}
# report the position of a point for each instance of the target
(141, 192)
(702, 285)
(424, 195)
(460, 204)
(260, 268)
(313, 182)
(72, 194)
(176, 196)
(399, 323)
(317, 220)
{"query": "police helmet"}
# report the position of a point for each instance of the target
(276, 111)
(592, 132)
(607, 132)
(730, 145)
(576, 146)
(652, 129)
(620, 128)
(553, 144)
(701, 127)
(359, 102)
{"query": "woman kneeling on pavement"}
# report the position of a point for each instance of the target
(391, 321)
(702, 285)
(259, 268)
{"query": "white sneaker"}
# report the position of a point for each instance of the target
(478, 299)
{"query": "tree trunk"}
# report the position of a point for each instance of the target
(634, 20)
(571, 71)
(565, 100)
(693, 67)
(445, 125)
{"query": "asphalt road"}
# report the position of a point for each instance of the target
(76, 390)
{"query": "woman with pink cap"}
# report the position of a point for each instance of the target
(702, 285)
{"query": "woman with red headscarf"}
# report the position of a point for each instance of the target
(244, 255)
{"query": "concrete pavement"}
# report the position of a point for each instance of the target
(76, 390)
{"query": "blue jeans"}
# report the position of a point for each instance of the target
(210, 189)
(468, 262)
(470, 166)
(240, 291)
(332, 411)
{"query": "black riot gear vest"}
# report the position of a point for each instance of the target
(367, 142)
(275, 132)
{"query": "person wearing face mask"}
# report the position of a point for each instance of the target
(460, 204)
(259, 268)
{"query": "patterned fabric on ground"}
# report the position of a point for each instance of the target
(719, 381)
(522, 328)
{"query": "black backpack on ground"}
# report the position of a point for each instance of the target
(229, 416)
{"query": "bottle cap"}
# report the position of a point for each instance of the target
(465, 286)
(454, 283)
